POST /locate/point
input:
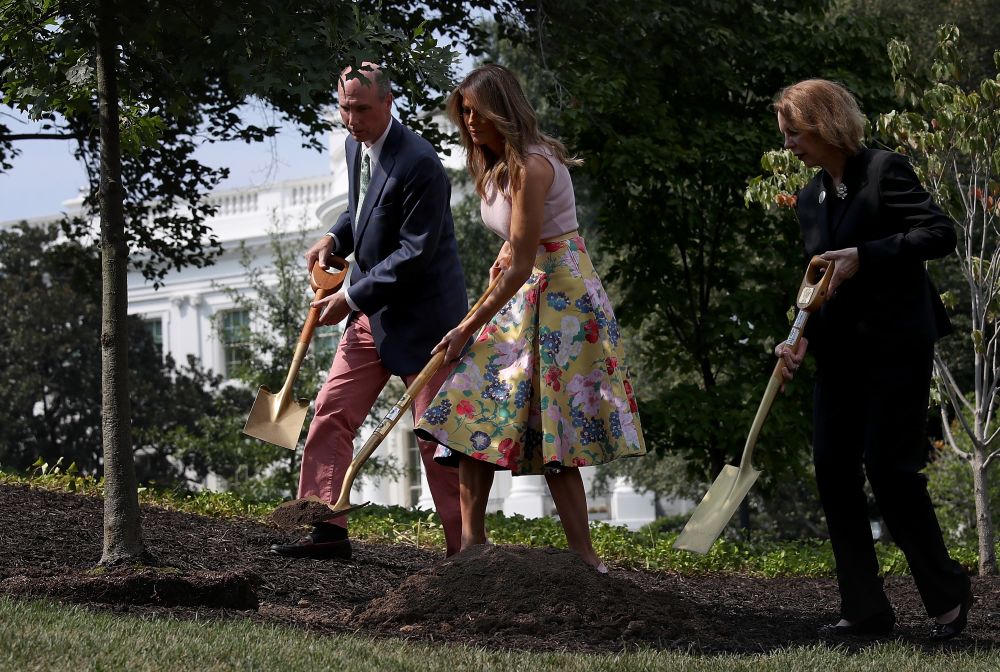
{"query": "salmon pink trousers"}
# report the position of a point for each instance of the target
(356, 378)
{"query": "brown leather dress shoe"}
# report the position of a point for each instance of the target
(307, 547)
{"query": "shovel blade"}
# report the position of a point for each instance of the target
(309, 511)
(348, 509)
(716, 509)
(268, 421)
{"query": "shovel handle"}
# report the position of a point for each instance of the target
(394, 414)
(815, 284)
(812, 293)
(325, 283)
(329, 280)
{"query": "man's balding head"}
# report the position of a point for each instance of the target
(372, 73)
(365, 102)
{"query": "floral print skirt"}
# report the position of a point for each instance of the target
(545, 384)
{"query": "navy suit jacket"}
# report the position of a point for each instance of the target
(890, 302)
(407, 276)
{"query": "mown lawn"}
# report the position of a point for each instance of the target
(41, 636)
(44, 636)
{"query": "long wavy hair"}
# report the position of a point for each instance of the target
(498, 96)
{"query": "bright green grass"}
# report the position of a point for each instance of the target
(40, 636)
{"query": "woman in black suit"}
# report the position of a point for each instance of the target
(874, 343)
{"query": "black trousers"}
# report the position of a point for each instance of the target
(870, 416)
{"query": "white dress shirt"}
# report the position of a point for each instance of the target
(373, 151)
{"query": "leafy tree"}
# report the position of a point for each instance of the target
(51, 402)
(46, 295)
(135, 85)
(915, 22)
(669, 105)
(953, 140)
(949, 481)
(276, 298)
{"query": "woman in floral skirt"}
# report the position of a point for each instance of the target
(544, 389)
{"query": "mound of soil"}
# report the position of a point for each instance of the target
(143, 586)
(496, 597)
(502, 592)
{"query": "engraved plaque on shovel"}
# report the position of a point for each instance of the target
(806, 295)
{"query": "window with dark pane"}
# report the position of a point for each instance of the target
(235, 331)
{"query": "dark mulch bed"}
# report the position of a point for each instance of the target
(499, 597)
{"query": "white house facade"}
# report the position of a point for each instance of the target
(186, 311)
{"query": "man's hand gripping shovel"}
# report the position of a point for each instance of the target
(733, 484)
(311, 510)
(278, 417)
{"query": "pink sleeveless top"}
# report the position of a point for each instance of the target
(560, 203)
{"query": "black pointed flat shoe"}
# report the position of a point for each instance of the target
(876, 625)
(944, 631)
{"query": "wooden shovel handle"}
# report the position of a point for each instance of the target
(326, 283)
(437, 360)
(815, 284)
(392, 417)
(324, 279)
(812, 293)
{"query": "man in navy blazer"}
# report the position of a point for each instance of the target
(405, 291)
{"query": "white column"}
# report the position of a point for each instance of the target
(369, 491)
(194, 306)
(498, 493)
(426, 501)
(529, 497)
(630, 508)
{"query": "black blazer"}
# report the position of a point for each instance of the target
(890, 302)
(407, 277)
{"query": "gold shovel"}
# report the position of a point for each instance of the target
(278, 418)
(732, 485)
(311, 510)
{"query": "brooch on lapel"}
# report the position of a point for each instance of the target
(822, 196)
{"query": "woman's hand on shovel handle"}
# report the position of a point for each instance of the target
(453, 343)
(792, 359)
(333, 308)
(846, 266)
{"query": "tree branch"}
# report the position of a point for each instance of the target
(970, 432)
(38, 136)
(951, 437)
(992, 456)
(950, 382)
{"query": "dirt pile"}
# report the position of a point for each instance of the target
(299, 512)
(500, 598)
(144, 586)
(500, 591)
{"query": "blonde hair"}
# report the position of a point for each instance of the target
(498, 96)
(825, 108)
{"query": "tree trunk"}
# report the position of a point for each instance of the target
(984, 517)
(122, 532)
